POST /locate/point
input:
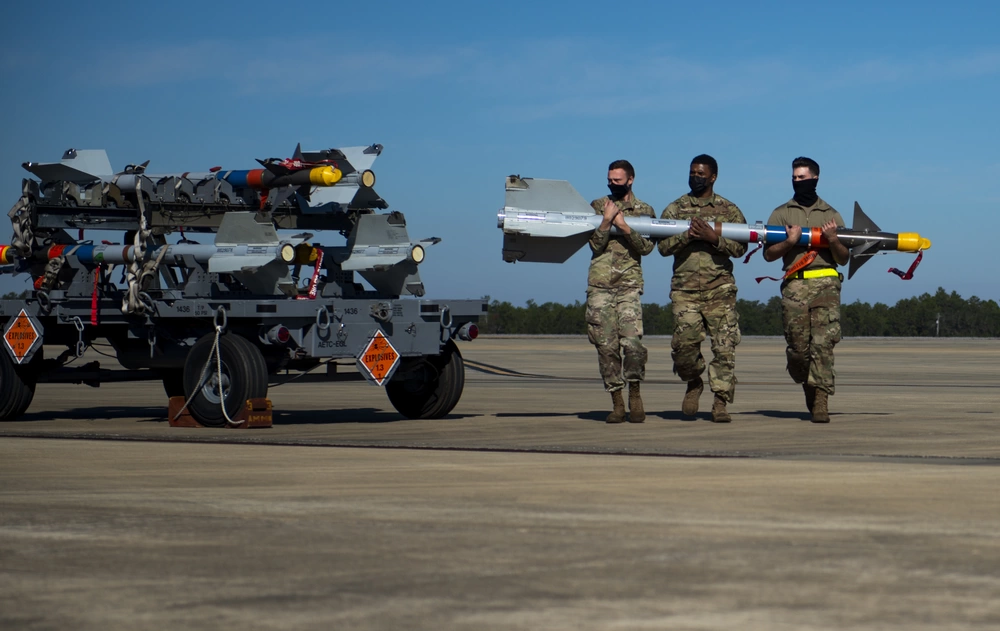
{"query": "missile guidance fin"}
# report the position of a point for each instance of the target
(863, 222)
(545, 195)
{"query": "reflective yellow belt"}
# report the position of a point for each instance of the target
(816, 273)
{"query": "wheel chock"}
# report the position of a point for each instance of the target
(255, 414)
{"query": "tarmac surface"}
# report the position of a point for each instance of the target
(522, 509)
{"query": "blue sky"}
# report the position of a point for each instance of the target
(898, 101)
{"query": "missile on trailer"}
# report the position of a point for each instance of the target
(547, 221)
(301, 177)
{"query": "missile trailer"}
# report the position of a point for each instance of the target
(232, 303)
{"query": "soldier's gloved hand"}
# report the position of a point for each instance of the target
(701, 230)
(793, 233)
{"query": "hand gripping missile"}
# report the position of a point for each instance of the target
(547, 221)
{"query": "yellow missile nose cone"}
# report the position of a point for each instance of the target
(305, 254)
(325, 176)
(911, 242)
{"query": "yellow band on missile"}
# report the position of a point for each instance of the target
(911, 242)
(5, 252)
(325, 176)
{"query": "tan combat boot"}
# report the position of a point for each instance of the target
(820, 414)
(690, 405)
(636, 414)
(618, 414)
(810, 396)
(719, 413)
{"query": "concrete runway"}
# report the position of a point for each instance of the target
(523, 509)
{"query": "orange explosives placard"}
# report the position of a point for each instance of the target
(379, 358)
(21, 335)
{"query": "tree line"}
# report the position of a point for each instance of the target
(941, 314)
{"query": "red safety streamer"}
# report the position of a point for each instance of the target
(908, 274)
(311, 294)
(746, 259)
(800, 264)
(94, 297)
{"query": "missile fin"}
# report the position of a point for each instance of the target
(862, 221)
(58, 171)
(274, 167)
(520, 247)
(242, 228)
(545, 195)
(297, 155)
(77, 165)
(860, 255)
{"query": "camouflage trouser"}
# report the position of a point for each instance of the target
(614, 326)
(810, 311)
(696, 312)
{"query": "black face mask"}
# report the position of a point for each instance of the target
(618, 191)
(805, 191)
(698, 184)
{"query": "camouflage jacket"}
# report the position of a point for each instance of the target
(791, 213)
(616, 260)
(699, 265)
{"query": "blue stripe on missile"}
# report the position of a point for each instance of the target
(777, 234)
(85, 253)
(236, 178)
(774, 234)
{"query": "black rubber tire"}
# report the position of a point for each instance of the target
(436, 390)
(243, 369)
(17, 387)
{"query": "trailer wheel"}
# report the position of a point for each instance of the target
(244, 376)
(430, 386)
(17, 387)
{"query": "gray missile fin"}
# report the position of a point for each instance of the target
(545, 195)
(862, 221)
(521, 247)
(860, 254)
(77, 165)
(242, 227)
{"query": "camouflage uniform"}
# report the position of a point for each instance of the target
(703, 294)
(614, 310)
(810, 307)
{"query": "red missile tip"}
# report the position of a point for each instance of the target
(215, 169)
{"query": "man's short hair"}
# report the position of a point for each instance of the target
(809, 163)
(708, 161)
(625, 165)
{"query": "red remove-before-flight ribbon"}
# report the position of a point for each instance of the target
(908, 274)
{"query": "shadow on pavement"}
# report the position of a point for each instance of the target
(145, 414)
(357, 415)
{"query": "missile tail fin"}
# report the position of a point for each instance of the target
(860, 255)
(545, 195)
(521, 247)
(863, 222)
